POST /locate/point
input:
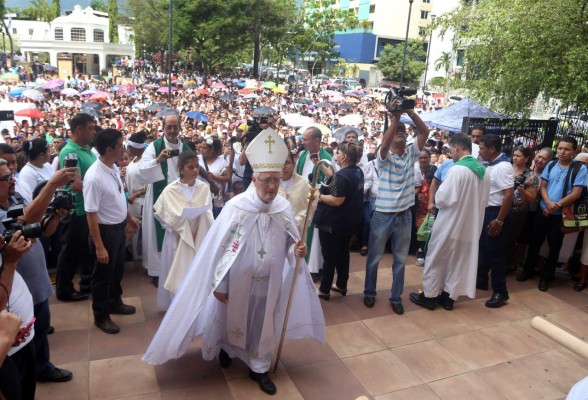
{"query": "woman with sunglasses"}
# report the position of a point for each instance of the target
(338, 216)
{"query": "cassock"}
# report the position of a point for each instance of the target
(150, 172)
(249, 251)
(183, 236)
(452, 257)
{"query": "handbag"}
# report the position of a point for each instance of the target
(575, 215)
(424, 230)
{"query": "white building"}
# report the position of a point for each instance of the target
(76, 42)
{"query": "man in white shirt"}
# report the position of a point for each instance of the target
(107, 213)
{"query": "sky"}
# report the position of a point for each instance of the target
(65, 4)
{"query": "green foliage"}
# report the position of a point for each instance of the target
(391, 61)
(516, 50)
(113, 21)
(437, 82)
(55, 9)
(99, 5)
(38, 10)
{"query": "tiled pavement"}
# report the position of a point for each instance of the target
(470, 353)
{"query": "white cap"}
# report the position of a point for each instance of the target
(267, 152)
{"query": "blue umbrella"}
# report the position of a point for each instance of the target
(241, 84)
(251, 96)
(17, 92)
(197, 115)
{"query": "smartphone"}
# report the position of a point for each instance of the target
(23, 332)
(71, 160)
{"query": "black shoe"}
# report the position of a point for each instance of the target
(55, 375)
(578, 287)
(445, 301)
(74, 296)
(122, 309)
(224, 360)
(265, 383)
(155, 281)
(363, 252)
(497, 300)
(342, 292)
(523, 277)
(369, 301)
(107, 326)
(51, 330)
(543, 284)
(482, 285)
(397, 308)
(316, 277)
(420, 299)
(324, 296)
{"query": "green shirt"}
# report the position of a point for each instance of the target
(85, 159)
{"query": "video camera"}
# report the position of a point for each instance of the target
(400, 94)
(62, 200)
(254, 128)
(12, 225)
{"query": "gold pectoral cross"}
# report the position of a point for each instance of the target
(269, 142)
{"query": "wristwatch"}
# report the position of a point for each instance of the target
(499, 222)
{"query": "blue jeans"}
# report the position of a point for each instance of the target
(369, 206)
(396, 226)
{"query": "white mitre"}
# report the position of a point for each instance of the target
(267, 152)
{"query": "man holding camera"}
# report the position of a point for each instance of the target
(392, 217)
(107, 213)
(75, 252)
(158, 166)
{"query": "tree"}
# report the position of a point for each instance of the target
(391, 61)
(98, 5)
(437, 82)
(38, 10)
(516, 50)
(112, 21)
(55, 9)
(444, 63)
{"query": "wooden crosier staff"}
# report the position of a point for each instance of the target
(311, 198)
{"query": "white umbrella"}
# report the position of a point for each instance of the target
(351, 119)
(329, 93)
(337, 99)
(296, 120)
(324, 129)
(33, 94)
(70, 92)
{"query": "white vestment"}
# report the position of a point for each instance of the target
(452, 257)
(258, 284)
(183, 236)
(151, 173)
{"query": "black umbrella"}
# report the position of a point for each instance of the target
(155, 107)
(96, 105)
(191, 86)
(346, 106)
(303, 101)
(227, 97)
(165, 112)
(324, 104)
(49, 68)
(98, 78)
(264, 111)
(91, 111)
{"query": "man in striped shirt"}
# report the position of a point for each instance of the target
(392, 218)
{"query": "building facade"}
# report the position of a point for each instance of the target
(77, 42)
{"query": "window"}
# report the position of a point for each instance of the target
(426, 1)
(30, 32)
(422, 31)
(98, 36)
(424, 14)
(58, 33)
(372, 8)
(14, 31)
(78, 35)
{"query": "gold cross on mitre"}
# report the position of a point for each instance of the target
(269, 141)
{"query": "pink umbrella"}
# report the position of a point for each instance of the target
(218, 85)
(52, 84)
(90, 92)
(100, 96)
(125, 89)
(30, 112)
(205, 92)
(164, 89)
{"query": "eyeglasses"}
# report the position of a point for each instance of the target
(270, 181)
(7, 178)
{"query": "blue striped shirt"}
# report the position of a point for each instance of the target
(396, 188)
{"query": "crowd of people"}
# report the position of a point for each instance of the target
(209, 189)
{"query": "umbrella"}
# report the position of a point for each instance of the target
(324, 129)
(279, 90)
(351, 93)
(191, 82)
(125, 89)
(152, 87)
(156, 107)
(268, 85)
(49, 68)
(90, 111)
(218, 85)
(204, 92)
(177, 82)
(342, 132)
(98, 78)
(89, 92)
(30, 112)
(303, 101)
(351, 100)
(227, 97)
(346, 106)
(263, 111)
(165, 89)
(70, 92)
(9, 76)
(241, 84)
(336, 99)
(33, 94)
(197, 116)
(33, 84)
(296, 120)
(100, 96)
(324, 104)
(165, 112)
(244, 91)
(351, 119)
(53, 83)
(251, 96)
(16, 92)
(329, 93)
(96, 105)
(191, 86)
